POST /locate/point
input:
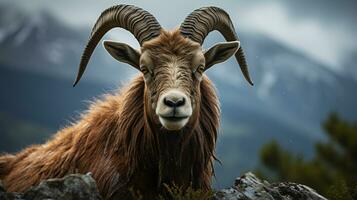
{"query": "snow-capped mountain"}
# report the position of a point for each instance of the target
(40, 42)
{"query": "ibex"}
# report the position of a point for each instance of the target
(160, 129)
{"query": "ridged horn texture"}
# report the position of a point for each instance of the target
(202, 21)
(139, 22)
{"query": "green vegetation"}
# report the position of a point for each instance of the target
(178, 193)
(333, 170)
(175, 192)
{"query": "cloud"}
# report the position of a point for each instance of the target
(322, 29)
(325, 43)
(327, 11)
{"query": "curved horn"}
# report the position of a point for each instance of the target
(202, 21)
(139, 22)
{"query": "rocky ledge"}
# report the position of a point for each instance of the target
(249, 187)
(71, 187)
(83, 187)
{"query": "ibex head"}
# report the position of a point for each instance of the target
(172, 63)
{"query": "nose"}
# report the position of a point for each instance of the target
(174, 100)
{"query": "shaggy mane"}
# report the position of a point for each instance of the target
(122, 148)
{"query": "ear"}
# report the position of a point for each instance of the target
(220, 53)
(123, 53)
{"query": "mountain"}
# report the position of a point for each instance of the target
(292, 94)
(288, 85)
(32, 36)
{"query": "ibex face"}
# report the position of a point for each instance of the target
(172, 63)
(172, 67)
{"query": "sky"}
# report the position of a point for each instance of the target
(324, 30)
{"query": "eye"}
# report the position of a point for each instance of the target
(200, 69)
(148, 74)
(144, 69)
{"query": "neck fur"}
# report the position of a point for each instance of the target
(182, 157)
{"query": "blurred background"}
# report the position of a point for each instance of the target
(301, 55)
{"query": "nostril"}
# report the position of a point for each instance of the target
(174, 103)
(180, 102)
(169, 102)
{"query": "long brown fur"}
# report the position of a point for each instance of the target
(119, 143)
(114, 142)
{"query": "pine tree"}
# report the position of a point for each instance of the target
(333, 170)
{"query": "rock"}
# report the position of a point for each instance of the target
(249, 187)
(71, 187)
(83, 187)
(8, 196)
